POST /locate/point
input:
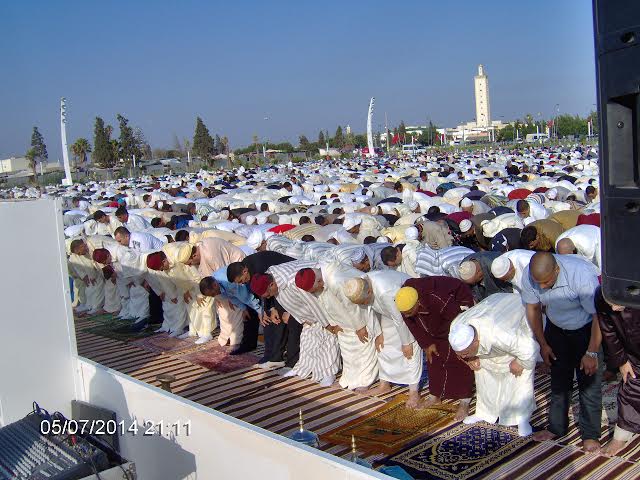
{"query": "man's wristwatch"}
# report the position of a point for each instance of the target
(591, 354)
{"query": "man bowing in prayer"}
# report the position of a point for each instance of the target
(621, 337)
(428, 306)
(495, 339)
(399, 355)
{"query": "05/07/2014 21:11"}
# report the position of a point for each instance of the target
(98, 427)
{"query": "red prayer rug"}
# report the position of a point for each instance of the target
(217, 358)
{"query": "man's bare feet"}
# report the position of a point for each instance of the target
(361, 390)
(462, 412)
(430, 401)
(613, 447)
(381, 389)
(591, 446)
(543, 435)
(414, 399)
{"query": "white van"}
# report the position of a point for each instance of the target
(537, 137)
(413, 149)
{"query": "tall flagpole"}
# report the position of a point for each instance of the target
(63, 135)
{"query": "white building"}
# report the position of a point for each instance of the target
(483, 110)
(13, 164)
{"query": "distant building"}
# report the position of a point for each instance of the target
(483, 110)
(13, 164)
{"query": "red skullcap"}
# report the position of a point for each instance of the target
(101, 255)
(259, 284)
(154, 261)
(305, 279)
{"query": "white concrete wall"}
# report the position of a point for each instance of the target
(37, 353)
(219, 447)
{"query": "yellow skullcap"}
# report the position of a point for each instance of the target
(406, 298)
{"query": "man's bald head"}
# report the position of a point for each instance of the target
(566, 247)
(544, 269)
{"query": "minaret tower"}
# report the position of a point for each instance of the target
(483, 112)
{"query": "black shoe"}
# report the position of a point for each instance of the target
(139, 325)
(240, 350)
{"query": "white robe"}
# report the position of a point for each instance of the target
(359, 360)
(504, 335)
(394, 366)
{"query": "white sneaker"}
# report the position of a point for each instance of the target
(175, 334)
(204, 339)
(185, 335)
(290, 373)
(524, 429)
(271, 365)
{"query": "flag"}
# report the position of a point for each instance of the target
(395, 139)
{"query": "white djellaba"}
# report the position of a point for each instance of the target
(503, 335)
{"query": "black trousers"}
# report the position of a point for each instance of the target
(250, 332)
(281, 337)
(155, 308)
(569, 346)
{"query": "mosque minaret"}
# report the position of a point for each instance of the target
(483, 112)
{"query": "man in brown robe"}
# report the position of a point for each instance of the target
(620, 328)
(428, 306)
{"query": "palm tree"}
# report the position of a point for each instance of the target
(31, 157)
(80, 149)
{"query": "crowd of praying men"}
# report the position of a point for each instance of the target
(477, 266)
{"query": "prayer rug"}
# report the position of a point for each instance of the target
(119, 330)
(462, 452)
(163, 343)
(217, 358)
(391, 427)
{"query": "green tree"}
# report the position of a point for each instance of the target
(402, 131)
(80, 149)
(102, 151)
(338, 139)
(360, 140)
(322, 140)
(304, 144)
(31, 158)
(128, 146)
(37, 143)
(217, 145)
(202, 141)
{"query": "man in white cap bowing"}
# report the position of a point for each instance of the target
(399, 355)
(509, 267)
(495, 340)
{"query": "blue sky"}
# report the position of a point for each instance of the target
(304, 65)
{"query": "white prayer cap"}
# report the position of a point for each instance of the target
(465, 225)
(468, 270)
(500, 266)
(250, 219)
(284, 219)
(411, 233)
(356, 289)
(262, 218)
(412, 205)
(466, 203)
(551, 194)
(383, 239)
(461, 336)
(375, 210)
(255, 239)
(357, 255)
(351, 221)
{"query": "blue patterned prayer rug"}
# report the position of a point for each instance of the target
(463, 452)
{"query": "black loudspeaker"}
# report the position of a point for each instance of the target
(617, 46)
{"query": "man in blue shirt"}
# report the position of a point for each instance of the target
(239, 297)
(566, 285)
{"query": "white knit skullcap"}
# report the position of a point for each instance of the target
(356, 289)
(552, 194)
(461, 336)
(375, 210)
(467, 270)
(500, 266)
(351, 221)
(465, 225)
(383, 239)
(357, 255)
(255, 239)
(411, 233)
(466, 202)
(250, 219)
(412, 204)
